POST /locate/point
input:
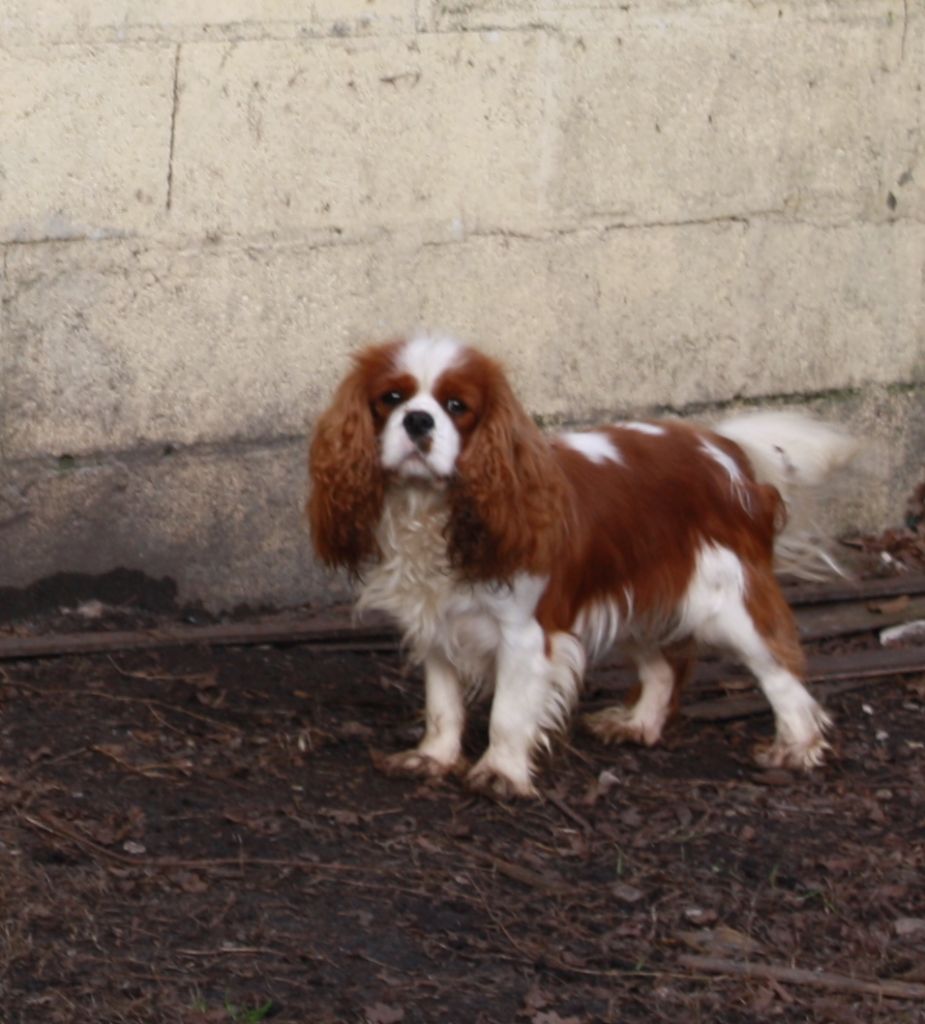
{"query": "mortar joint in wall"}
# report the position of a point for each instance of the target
(66, 462)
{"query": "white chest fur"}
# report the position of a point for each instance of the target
(415, 583)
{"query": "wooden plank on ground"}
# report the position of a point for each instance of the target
(328, 634)
(800, 594)
(836, 673)
(333, 631)
(818, 622)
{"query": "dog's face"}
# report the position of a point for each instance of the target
(430, 411)
(426, 401)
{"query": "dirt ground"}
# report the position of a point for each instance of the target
(197, 836)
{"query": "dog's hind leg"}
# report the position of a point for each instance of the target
(758, 627)
(662, 674)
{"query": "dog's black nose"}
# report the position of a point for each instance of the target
(418, 423)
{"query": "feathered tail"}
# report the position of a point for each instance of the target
(794, 453)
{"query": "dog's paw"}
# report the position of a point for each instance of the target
(621, 724)
(805, 755)
(416, 764)
(800, 742)
(491, 780)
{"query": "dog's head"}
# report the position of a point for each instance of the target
(431, 412)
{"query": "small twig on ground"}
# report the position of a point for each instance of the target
(514, 871)
(528, 955)
(49, 762)
(148, 702)
(57, 828)
(561, 805)
(800, 976)
(582, 755)
(235, 951)
(191, 678)
(147, 771)
(545, 957)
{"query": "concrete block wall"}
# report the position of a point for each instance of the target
(679, 205)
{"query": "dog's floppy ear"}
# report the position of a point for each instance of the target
(509, 511)
(347, 484)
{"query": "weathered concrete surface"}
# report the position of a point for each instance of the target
(30, 22)
(220, 342)
(466, 132)
(226, 523)
(613, 15)
(85, 141)
(438, 132)
(203, 208)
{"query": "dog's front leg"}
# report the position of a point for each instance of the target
(518, 714)
(440, 751)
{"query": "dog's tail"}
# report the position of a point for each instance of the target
(796, 454)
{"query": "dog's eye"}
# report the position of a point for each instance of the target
(391, 399)
(456, 407)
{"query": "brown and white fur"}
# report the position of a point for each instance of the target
(511, 558)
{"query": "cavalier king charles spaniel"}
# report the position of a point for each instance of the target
(511, 558)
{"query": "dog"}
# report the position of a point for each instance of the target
(510, 559)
